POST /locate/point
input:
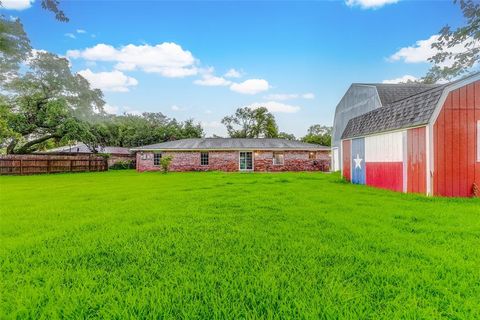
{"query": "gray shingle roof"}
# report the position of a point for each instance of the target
(390, 93)
(233, 144)
(408, 112)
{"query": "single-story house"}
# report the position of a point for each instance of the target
(116, 153)
(235, 154)
(426, 143)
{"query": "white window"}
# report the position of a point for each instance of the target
(204, 158)
(156, 159)
(478, 140)
(278, 158)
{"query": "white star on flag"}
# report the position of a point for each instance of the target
(358, 162)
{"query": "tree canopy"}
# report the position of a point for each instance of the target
(319, 134)
(251, 123)
(449, 63)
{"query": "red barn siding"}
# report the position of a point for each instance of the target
(456, 168)
(346, 157)
(417, 160)
(385, 175)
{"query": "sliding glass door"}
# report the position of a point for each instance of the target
(246, 161)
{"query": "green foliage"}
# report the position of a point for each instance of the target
(122, 165)
(165, 162)
(319, 134)
(124, 245)
(287, 136)
(251, 123)
(47, 102)
(14, 46)
(467, 36)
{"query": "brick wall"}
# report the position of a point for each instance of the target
(228, 161)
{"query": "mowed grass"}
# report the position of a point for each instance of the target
(215, 245)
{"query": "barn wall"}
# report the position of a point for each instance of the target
(417, 160)
(346, 155)
(384, 161)
(358, 99)
(455, 142)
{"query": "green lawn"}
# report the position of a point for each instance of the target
(216, 245)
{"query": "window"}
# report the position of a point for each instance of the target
(156, 159)
(204, 158)
(278, 158)
(478, 140)
(311, 156)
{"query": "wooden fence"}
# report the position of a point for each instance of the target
(44, 163)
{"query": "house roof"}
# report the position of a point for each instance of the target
(82, 148)
(408, 112)
(232, 144)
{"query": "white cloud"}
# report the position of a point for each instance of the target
(81, 31)
(176, 108)
(212, 81)
(422, 50)
(108, 108)
(251, 86)
(70, 35)
(115, 81)
(17, 4)
(167, 59)
(403, 79)
(275, 106)
(289, 96)
(308, 96)
(208, 111)
(232, 73)
(369, 4)
(211, 124)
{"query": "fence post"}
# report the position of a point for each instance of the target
(48, 165)
(71, 165)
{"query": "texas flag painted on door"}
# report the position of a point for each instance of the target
(358, 161)
(379, 161)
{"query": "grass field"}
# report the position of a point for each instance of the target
(216, 245)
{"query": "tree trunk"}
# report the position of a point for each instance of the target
(27, 147)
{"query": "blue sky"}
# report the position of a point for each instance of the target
(296, 58)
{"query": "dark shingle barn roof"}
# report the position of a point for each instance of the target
(233, 144)
(389, 93)
(408, 112)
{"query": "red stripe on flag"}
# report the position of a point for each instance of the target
(385, 175)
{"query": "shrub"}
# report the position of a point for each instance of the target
(122, 165)
(165, 163)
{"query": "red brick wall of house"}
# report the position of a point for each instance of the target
(228, 161)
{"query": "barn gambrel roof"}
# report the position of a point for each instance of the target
(412, 111)
(409, 112)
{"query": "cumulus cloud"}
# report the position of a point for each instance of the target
(167, 59)
(115, 81)
(369, 4)
(108, 108)
(81, 31)
(251, 86)
(212, 81)
(289, 96)
(70, 35)
(422, 50)
(275, 106)
(16, 4)
(403, 79)
(176, 108)
(232, 73)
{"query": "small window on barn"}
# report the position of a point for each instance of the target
(311, 155)
(204, 158)
(156, 159)
(278, 158)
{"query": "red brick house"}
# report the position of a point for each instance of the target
(232, 154)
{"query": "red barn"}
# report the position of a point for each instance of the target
(426, 143)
